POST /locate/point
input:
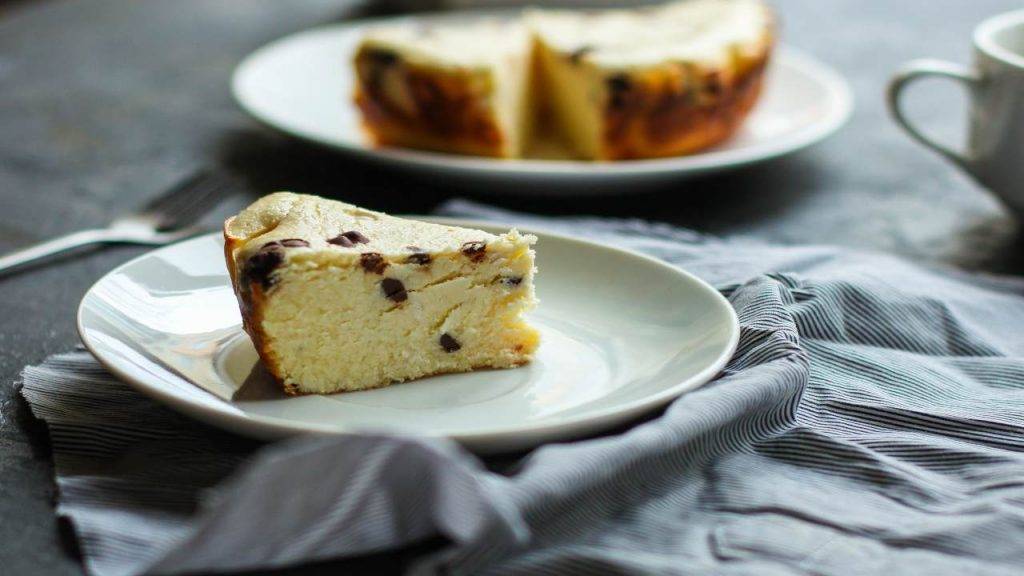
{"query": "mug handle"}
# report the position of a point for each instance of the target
(915, 70)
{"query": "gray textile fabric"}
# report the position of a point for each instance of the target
(871, 422)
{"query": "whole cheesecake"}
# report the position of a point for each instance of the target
(338, 298)
(647, 82)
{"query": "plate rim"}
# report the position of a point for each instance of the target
(841, 94)
(548, 429)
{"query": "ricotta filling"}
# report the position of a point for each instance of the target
(332, 328)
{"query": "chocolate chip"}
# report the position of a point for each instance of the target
(474, 250)
(294, 243)
(421, 258)
(713, 83)
(393, 290)
(618, 86)
(261, 265)
(577, 55)
(372, 262)
(449, 344)
(382, 57)
(349, 239)
(356, 237)
(619, 83)
(511, 281)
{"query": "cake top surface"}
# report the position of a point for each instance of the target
(295, 220)
(704, 32)
(479, 43)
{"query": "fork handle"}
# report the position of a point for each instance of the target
(39, 251)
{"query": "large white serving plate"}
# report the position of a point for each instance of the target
(622, 334)
(302, 85)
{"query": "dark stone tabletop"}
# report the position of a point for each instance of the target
(105, 103)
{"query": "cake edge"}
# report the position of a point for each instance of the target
(453, 126)
(719, 122)
(251, 309)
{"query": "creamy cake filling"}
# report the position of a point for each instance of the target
(403, 321)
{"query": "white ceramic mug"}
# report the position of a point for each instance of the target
(994, 154)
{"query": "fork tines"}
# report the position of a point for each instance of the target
(188, 199)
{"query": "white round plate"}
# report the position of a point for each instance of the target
(302, 85)
(622, 334)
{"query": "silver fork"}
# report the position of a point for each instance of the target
(167, 218)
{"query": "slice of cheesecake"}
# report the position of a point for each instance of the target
(648, 82)
(453, 88)
(338, 298)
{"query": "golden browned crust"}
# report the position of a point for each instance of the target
(252, 322)
(231, 243)
(251, 298)
(405, 105)
(661, 113)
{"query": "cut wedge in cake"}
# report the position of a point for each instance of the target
(338, 298)
(456, 88)
(659, 81)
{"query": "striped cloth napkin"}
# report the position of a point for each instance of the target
(871, 422)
